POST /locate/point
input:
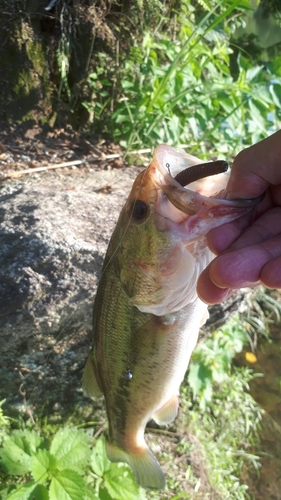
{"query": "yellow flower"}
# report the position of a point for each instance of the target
(251, 357)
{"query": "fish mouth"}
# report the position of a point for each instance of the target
(179, 169)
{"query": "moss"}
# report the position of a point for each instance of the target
(32, 80)
(26, 89)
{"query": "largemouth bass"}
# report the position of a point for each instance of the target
(147, 314)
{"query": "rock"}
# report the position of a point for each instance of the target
(54, 233)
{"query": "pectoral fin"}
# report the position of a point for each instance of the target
(168, 412)
(89, 381)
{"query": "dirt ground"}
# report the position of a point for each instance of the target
(28, 146)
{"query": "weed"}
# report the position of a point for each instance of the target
(227, 433)
(180, 90)
(4, 422)
(62, 468)
(211, 360)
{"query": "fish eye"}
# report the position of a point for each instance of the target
(140, 210)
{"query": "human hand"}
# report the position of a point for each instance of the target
(249, 248)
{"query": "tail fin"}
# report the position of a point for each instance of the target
(145, 467)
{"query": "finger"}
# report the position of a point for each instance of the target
(270, 275)
(255, 168)
(239, 268)
(221, 238)
(209, 292)
(265, 228)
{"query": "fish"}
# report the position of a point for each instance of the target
(147, 314)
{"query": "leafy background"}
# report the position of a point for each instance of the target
(188, 82)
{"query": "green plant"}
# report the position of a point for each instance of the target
(211, 360)
(52, 469)
(4, 422)
(178, 87)
(226, 433)
(63, 55)
(62, 468)
(223, 418)
(100, 86)
(260, 310)
(113, 480)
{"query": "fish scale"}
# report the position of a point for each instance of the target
(147, 313)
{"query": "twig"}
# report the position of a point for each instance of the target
(91, 423)
(99, 432)
(73, 163)
(26, 407)
(163, 431)
(49, 167)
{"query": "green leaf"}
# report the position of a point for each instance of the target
(127, 84)
(41, 464)
(70, 449)
(15, 456)
(104, 495)
(194, 127)
(251, 73)
(120, 483)
(122, 118)
(39, 493)
(90, 494)
(206, 395)
(275, 91)
(99, 461)
(23, 492)
(193, 378)
(276, 65)
(67, 485)
(199, 377)
(227, 103)
(29, 441)
(257, 113)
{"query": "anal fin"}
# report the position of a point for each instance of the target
(144, 465)
(89, 381)
(168, 412)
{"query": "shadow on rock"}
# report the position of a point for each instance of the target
(53, 238)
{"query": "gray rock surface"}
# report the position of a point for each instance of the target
(54, 233)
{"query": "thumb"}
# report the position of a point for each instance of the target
(256, 168)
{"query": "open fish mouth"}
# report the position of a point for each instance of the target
(179, 169)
